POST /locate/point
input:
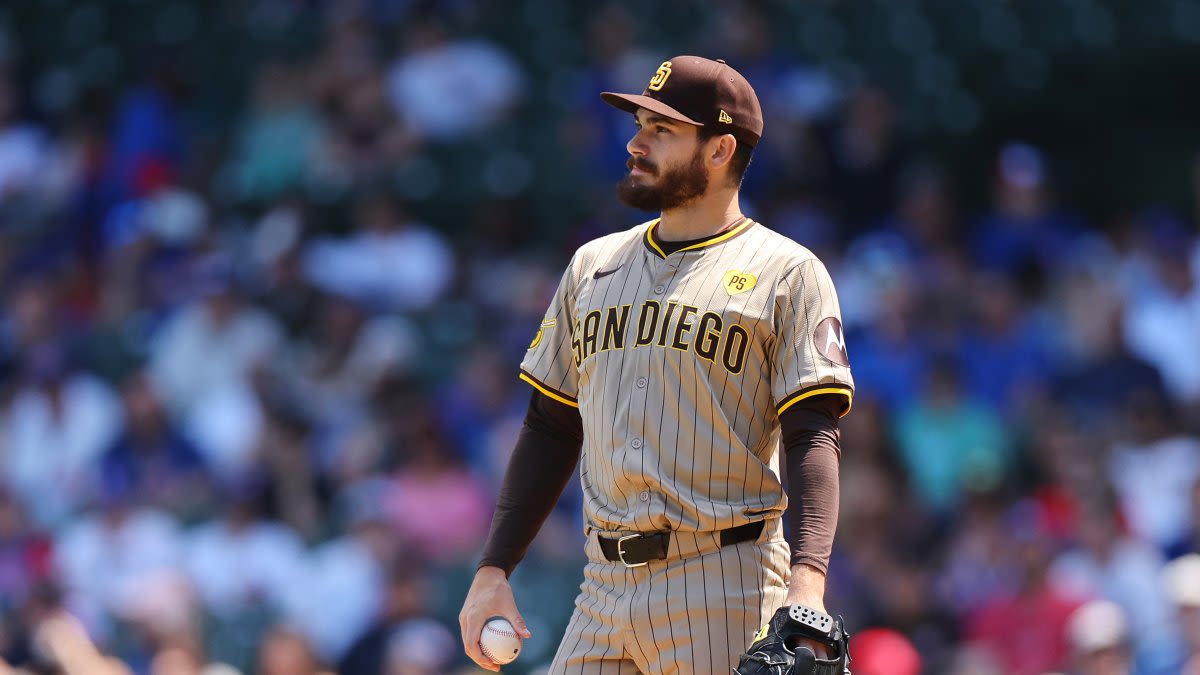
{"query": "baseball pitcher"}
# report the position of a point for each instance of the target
(683, 365)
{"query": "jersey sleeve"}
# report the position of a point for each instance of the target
(549, 364)
(810, 348)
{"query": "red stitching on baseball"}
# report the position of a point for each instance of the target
(505, 633)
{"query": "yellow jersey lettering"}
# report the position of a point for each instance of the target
(647, 323)
(591, 327)
(662, 337)
(606, 329)
(708, 336)
(616, 320)
(683, 327)
(737, 340)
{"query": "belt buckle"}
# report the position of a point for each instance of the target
(621, 550)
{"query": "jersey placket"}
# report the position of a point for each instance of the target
(649, 390)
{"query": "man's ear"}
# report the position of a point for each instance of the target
(721, 149)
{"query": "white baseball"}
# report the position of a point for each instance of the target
(499, 641)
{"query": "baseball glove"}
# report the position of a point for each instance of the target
(776, 649)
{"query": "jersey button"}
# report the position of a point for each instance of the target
(645, 496)
(659, 289)
(636, 443)
(641, 382)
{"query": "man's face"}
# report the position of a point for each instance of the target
(1189, 623)
(666, 164)
(1107, 661)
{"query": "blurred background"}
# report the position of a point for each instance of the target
(268, 268)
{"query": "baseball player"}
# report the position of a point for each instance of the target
(675, 360)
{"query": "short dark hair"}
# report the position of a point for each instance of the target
(742, 154)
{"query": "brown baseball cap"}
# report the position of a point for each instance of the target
(699, 91)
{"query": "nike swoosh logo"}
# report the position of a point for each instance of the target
(599, 274)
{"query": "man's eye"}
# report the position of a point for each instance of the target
(661, 129)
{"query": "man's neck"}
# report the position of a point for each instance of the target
(702, 218)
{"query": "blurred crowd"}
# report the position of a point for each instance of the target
(258, 348)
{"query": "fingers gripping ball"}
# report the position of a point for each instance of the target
(499, 641)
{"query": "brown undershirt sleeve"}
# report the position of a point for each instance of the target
(542, 462)
(812, 452)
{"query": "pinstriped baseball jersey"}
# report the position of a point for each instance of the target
(680, 365)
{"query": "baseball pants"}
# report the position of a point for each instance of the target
(693, 613)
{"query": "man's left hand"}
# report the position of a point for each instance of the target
(785, 647)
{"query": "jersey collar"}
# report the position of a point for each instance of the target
(648, 238)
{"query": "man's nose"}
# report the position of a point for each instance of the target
(635, 146)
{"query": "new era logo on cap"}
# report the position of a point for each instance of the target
(698, 91)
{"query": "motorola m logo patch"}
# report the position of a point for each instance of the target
(831, 342)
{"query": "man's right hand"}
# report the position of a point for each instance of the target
(490, 596)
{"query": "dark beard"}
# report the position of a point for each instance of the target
(676, 187)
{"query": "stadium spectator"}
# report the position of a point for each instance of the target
(25, 555)
(403, 639)
(430, 488)
(25, 151)
(153, 458)
(59, 423)
(1189, 542)
(213, 395)
(390, 261)
(1154, 471)
(112, 560)
(1026, 232)
(1111, 566)
(1035, 614)
(1004, 353)
(346, 582)
(1100, 640)
(950, 443)
(447, 87)
(1162, 320)
(1181, 582)
(348, 352)
(286, 652)
(281, 138)
(243, 561)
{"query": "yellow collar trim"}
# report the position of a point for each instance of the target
(715, 239)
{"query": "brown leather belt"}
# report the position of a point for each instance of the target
(635, 550)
